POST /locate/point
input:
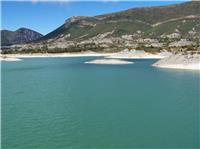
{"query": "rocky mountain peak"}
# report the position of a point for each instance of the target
(20, 36)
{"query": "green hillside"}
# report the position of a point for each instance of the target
(130, 21)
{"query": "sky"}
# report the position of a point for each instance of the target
(46, 16)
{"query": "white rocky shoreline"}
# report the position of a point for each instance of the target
(139, 54)
(125, 54)
(180, 61)
(8, 58)
(165, 59)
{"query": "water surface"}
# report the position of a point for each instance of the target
(64, 103)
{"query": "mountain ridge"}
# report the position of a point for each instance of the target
(135, 15)
(19, 36)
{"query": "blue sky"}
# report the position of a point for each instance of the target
(44, 17)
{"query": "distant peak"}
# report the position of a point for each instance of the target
(22, 28)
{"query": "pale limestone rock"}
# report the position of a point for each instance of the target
(181, 43)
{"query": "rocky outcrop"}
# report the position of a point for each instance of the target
(180, 61)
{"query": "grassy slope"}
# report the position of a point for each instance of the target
(129, 21)
(170, 27)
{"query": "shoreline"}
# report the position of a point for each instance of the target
(135, 57)
(180, 61)
(18, 57)
(10, 59)
(165, 60)
(180, 66)
(139, 54)
(37, 55)
(116, 55)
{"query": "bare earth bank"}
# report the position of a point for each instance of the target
(109, 61)
(180, 61)
(167, 60)
(125, 54)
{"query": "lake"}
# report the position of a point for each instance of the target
(64, 103)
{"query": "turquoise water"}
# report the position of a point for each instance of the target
(64, 103)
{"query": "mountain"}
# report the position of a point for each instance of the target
(147, 28)
(148, 20)
(20, 36)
